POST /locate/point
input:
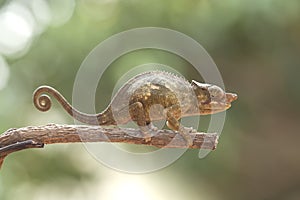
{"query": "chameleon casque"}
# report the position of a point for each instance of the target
(150, 96)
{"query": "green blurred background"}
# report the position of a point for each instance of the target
(256, 46)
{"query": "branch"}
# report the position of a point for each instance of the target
(36, 136)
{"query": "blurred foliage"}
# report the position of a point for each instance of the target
(255, 45)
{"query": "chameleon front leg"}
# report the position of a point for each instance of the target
(174, 124)
(139, 115)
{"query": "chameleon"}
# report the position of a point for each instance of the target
(147, 97)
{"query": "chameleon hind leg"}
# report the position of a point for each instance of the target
(139, 115)
(173, 123)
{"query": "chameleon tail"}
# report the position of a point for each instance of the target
(43, 103)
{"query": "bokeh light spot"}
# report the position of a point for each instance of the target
(42, 13)
(17, 27)
(61, 11)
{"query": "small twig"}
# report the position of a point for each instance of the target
(4, 151)
(35, 136)
(20, 146)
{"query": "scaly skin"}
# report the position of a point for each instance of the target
(147, 97)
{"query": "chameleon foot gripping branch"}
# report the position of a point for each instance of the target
(176, 95)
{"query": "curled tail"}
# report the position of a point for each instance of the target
(43, 103)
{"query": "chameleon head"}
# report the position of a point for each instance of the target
(212, 99)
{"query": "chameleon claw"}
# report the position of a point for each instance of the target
(192, 130)
(148, 131)
(185, 133)
(188, 139)
(152, 128)
(148, 139)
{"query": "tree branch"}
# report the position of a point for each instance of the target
(36, 136)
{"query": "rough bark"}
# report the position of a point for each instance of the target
(36, 136)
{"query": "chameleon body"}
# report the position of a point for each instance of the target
(147, 97)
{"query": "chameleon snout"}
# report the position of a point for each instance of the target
(230, 97)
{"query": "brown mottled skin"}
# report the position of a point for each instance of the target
(147, 97)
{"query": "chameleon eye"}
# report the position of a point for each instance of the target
(216, 92)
